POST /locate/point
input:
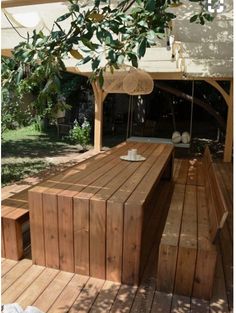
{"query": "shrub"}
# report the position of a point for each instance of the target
(80, 134)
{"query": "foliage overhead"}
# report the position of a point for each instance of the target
(122, 31)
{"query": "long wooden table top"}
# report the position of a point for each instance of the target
(106, 177)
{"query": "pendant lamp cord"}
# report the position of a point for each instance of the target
(128, 122)
(191, 117)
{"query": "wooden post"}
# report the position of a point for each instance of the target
(99, 96)
(229, 128)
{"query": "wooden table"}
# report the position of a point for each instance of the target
(88, 219)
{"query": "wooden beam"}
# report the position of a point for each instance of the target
(18, 3)
(229, 128)
(99, 96)
(224, 94)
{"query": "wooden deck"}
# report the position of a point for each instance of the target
(52, 290)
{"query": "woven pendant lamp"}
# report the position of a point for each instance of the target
(138, 82)
(128, 80)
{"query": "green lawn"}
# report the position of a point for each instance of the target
(24, 152)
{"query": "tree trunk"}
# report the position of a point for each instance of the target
(195, 100)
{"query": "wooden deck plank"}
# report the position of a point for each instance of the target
(180, 304)
(21, 284)
(144, 297)
(124, 299)
(161, 302)
(88, 295)
(36, 288)
(219, 300)
(69, 294)
(183, 172)
(52, 291)
(199, 306)
(7, 265)
(177, 164)
(106, 297)
(18, 270)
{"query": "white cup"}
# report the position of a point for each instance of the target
(130, 154)
(133, 154)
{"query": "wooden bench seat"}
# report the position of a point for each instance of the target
(187, 252)
(14, 216)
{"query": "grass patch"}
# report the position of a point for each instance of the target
(24, 151)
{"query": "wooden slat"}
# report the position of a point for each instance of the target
(200, 173)
(21, 284)
(124, 299)
(115, 218)
(206, 254)
(3, 254)
(51, 235)
(106, 297)
(161, 302)
(96, 241)
(187, 245)
(133, 214)
(69, 294)
(88, 295)
(36, 227)
(15, 273)
(7, 265)
(13, 242)
(219, 301)
(66, 234)
(170, 240)
(226, 249)
(53, 290)
(180, 304)
(35, 289)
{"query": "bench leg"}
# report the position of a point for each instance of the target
(13, 239)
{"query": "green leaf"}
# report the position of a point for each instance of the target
(76, 54)
(95, 64)
(202, 21)
(142, 47)
(63, 17)
(150, 5)
(193, 18)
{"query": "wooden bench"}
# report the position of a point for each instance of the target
(14, 216)
(197, 213)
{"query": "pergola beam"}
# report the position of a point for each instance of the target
(18, 3)
(99, 96)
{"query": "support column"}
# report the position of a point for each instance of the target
(229, 126)
(99, 96)
(229, 129)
